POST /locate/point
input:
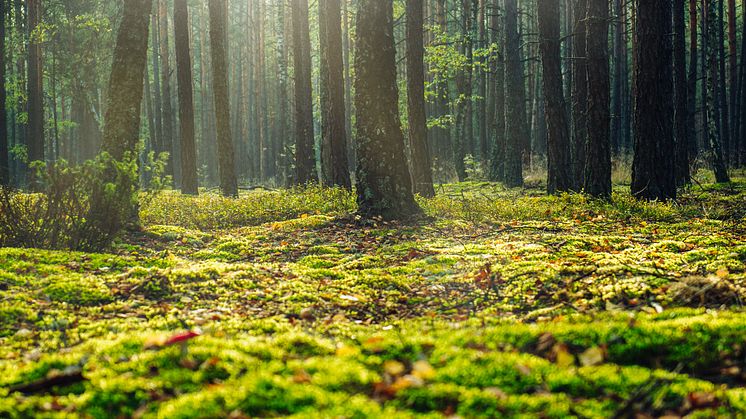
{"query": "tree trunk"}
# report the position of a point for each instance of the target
(598, 153)
(422, 180)
(497, 157)
(4, 146)
(559, 178)
(516, 129)
(579, 95)
(218, 40)
(692, 81)
(723, 104)
(681, 113)
(186, 100)
(35, 136)
(712, 102)
(335, 168)
(383, 182)
(653, 170)
(733, 75)
(305, 155)
(158, 102)
(168, 113)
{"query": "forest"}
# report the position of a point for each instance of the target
(372, 208)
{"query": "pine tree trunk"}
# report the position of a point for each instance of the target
(732, 76)
(35, 136)
(497, 157)
(681, 100)
(157, 99)
(723, 104)
(168, 113)
(712, 98)
(218, 41)
(383, 182)
(516, 129)
(4, 146)
(558, 141)
(693, 79)
(305, 156)
(598, 153)
(335, 167)
(579, 95)
(653, 170)
(186, 99)
(422, 181)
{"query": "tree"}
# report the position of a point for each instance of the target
(653, 169)
(422, 178)
(579, 95)
(122, 120)
(712, 91)
(598, 150)
(168, 113)
(35, 136)
(218, 39)
(681, 95)
(558, 141)
(186, 100)
(383, 184)
(4, 149)
(335, 167)
(516, 128)
(305, 156)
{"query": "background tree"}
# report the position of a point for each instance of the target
(558, 140)
(186, 99)
(681, 94)
(226, 162)
(305, 156)
(579, 94)
(35, 136)
(516, 129)
(4, 149)
(383, 183)
(422, 180)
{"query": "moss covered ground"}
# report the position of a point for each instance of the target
(496, 303)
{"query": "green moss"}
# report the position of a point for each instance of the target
(78, 290)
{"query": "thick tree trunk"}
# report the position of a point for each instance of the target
(422, 180)
(305, 155)
(559, 178)
(579, 95)
(35, 136)
(653, 170)
(681, 116)
(122, 120)
(516, 128)
(598, 150)
(218, 41)
(335, 168)
(383, 182)
(186, 100)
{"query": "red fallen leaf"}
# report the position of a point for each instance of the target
(180, 337)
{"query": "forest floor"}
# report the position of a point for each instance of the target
(282, 303)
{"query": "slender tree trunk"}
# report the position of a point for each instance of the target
(516, 129)
(305, 155)
(598, 153)
(35, 136)
(4, 146)
(422, 180)
(653, 170)
(158, 102)
(742, 88)
(579, 95)
(693, 79)
(186, 100)
(723, 104)
(681, 118)
(712, 97)
(168, 113)
(218, 41)
(335, 167)
(733, 74)
(383, 182)
(558, 141)
(616, 85)
(497, 164)
(483, 146)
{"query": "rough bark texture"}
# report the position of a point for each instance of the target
(579, 95)
(335, 167)
(598, 150)
(681, 98)
(186, 100)
(516, 128)
(558, 140)
(122, 120)
(4, 153)
(713, 90)
(653, 169)
(35, 136)
(305, 156)
(422, 180)
(226, 162)
(383, 184)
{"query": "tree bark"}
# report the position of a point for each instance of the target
(693, 80)
(4, 146)
(579, 95)
(598, 153)
(35, 136)
(383, 182)
(218, 40)
(305, 155)
(653, 169)
(516, 128)
(168, 112)
(422, 180)
(186, 98)
(713, 91)
(335, 167)
(559, 178)
(681, 99)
